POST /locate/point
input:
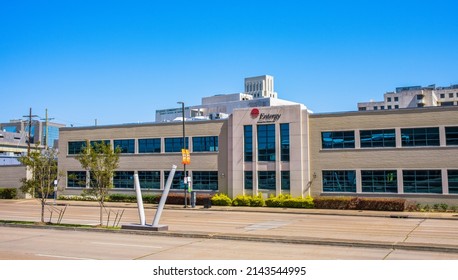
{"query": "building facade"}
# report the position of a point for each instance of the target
(286, 149)
(414, 97)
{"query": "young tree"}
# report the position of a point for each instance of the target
(43, 167)
(101, 161)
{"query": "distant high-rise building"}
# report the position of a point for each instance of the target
(414, 96)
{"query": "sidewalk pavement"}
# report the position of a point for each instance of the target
(334, 212)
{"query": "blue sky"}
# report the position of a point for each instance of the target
(119, 61)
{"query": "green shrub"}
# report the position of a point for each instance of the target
(221, 200)
(257, 201)
(241, 200)
(8, 193)
(120, 197)
(299, 202)
(289, 202)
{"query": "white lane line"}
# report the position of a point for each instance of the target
(126, 245)
(62, 257)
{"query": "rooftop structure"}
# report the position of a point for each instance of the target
(259, 92)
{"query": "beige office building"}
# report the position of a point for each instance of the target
(410, 153)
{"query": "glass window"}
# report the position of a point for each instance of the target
(266, 180)
(123, 180)
(248, 142)
(284, 139)
(422, 181)
(285, 181)
(449, 103)
(76, 179)
(442, 95)
(396, 99)
(266, 142)
(149, 179)
(426, 136)
(177, 182)
(452, 181)
(339, 181)
(75, 147)
(450, 95)
(127, 145)
(174, 145)
(388, 99)
(205, 180)
(152, 145)
(379, 181)
(451, 135)
(378, 138)
(338, 139)
(205, 144)
(248, 180)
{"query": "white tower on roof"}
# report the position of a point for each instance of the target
(260, 87)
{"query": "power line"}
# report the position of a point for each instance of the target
(29, 116)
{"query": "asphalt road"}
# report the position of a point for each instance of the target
(216, 234)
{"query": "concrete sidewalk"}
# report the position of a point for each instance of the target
(422, 231)
(334, 212)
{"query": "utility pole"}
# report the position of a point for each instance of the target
(46, 139)
(30, 116)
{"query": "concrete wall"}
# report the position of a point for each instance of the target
(11, 175)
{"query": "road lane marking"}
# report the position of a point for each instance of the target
(126, 245)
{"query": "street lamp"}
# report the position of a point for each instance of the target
(184, 147)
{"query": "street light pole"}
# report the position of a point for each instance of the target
(184, 147)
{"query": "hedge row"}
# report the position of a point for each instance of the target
(289, 202)
(8, 193)
(358, 203)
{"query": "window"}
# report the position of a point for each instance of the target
(127, 145)
(205, 180)
(382, 107)
(123, 180)
(451, 135)
(339, 181)
(75, 147)
(442, 95)
(375, 108)
(205, 144)
(285, 181)
(248, 180)
(174, 145)
(378, 138)
(149, 179)
(396, 106)
(248, 142)
(396, 99)
(338, 139)
(450, 95)
(177, 182)
(388, 99)
(362, 108)
(152, 145)
(452, 181)
(76, 179)
(389, 107)
(284, 139)
(447, 103)
(379, 181)
(266, 180)
(266, 142)
(422, 181)
(428, 136)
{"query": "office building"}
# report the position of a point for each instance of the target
(285, 149)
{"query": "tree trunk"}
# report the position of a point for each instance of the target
(42, 211)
